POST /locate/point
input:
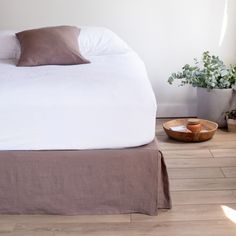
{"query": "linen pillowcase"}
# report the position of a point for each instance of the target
(50, 46)
(99, 41)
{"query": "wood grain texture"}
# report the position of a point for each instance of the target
(187, 154)
(186, 213)
(196, 163)
(7, 227)
(209, 128)
(202, 180)
(229, 171)
(195, 173)
(203, 197)
(56, 219)
(216, 143)
(192, 228)
(224, 152)
(203, 184)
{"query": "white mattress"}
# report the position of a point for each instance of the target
(106, 104)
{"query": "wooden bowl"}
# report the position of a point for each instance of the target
(209, 128)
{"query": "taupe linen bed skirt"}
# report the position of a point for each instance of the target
(84, 182)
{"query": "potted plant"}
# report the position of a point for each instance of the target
(231, 121)
(215, 84)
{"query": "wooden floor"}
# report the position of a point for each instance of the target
(203, 188)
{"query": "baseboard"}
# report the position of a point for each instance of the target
(176, 110)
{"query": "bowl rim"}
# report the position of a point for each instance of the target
(168, 129)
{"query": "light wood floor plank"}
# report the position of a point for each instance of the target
(168, 144)
(227, 136)
(203, 184)
(229, 171)
(6, 228)
(179, 146)
(160, 131)
(187, 154)
(192, 173)
(196, 163)
(186, 213)
(36, 233)
(224, 152)
(55, 219)
(194, 228)
(203, 197)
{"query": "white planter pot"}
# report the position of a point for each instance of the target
(213, 104)
(231, 125)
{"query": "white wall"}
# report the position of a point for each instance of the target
(166, 33)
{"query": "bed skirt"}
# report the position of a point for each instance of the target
(84, 182)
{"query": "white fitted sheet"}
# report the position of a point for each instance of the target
(106, 104)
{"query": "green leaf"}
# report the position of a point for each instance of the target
(210, 72)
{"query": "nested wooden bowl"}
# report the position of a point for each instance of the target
(209, 128)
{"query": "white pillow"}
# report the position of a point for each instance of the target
(9, 45)
(96, 41)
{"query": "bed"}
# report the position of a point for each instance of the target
(79, 139)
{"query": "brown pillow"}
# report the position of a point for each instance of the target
(50, 46)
